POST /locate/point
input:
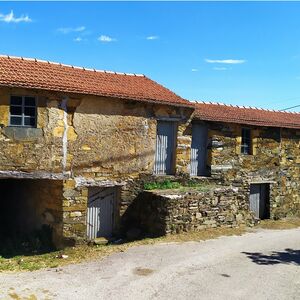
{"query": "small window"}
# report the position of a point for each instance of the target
(246, 141)
(22, 111)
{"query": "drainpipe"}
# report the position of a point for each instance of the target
(65, 135)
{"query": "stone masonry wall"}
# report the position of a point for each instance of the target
(96, 137)
(163, 212)
(275, 160)
(36, 150)
(288, 200)
(93, 141)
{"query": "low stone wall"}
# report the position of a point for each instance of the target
(158, 213)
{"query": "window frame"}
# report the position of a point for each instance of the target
(23, 116)
(246, 141)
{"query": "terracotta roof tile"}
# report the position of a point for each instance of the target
(37, 74)
(247, 116)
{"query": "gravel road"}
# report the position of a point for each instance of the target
(264, 264)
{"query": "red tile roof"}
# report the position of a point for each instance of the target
(247, 116)
(37, 74)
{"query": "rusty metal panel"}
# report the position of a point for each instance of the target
(199, 150)
(100, 213)
(165, 148)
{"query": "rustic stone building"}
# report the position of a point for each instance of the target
(77, 146)
(73, 139)
(251, 154)
(256, 150)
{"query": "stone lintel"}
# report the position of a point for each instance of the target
(89, 182)
(33, 175)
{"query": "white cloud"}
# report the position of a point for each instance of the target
(225, 61)
(78, 39)
(106, 39)
(152, 37)
(66, 30)
(11, 18)
(220, 68)
(194, 70)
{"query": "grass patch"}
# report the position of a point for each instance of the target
(170, 185)
(164, 185)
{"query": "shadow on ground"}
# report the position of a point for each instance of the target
(15, 244)
(288, 256)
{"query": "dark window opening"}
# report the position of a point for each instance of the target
(246, 141)
(22, 111)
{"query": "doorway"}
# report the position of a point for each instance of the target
(101, 212)
(199, 150)
(165, 148)
(260, 200)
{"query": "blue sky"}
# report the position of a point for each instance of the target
(239, 53)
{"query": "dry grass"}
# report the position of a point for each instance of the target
(84, 253)
(287, 223)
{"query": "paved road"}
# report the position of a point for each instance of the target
(264, 264)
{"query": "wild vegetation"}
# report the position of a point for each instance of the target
(182, 186)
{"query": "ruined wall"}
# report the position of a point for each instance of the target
(158, 213)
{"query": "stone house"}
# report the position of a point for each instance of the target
(77, 146)
(253, 149)
(250, 156)
(74, 141)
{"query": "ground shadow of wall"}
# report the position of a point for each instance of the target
(288, 256)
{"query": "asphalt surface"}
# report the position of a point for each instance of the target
(264, 264)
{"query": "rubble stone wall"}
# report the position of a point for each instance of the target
(158, 213)
(86, 141)
(275, 159)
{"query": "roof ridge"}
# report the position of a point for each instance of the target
(70, 66)
(245, 107)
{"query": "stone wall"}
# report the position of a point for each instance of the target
(36, 150)
(275, 160)
(287, 201)
(86, 141)
(74, 212)
(158, 213)
(93, 137)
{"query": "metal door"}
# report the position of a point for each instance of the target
(199, 150)
(254, 199)
(100, 213)
(165, 148)
(259, 200)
